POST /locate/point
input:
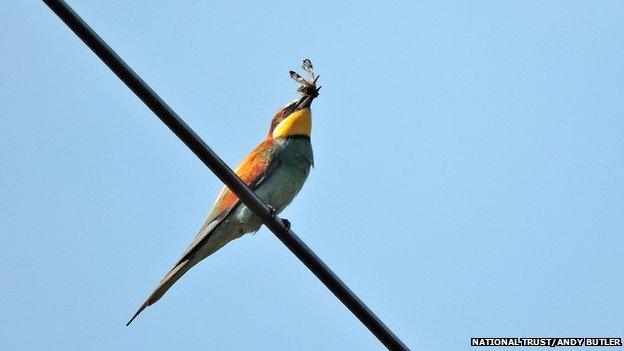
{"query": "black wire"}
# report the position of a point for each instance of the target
(225, 174)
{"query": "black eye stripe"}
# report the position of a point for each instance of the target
(283, 114)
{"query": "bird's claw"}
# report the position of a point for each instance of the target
(286, 223)
(273, 211)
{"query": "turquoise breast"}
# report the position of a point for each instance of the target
(290, 166)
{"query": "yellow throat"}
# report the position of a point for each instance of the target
(297, 123)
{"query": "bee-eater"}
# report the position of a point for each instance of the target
(276, 170)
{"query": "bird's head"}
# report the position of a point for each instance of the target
(296, 118)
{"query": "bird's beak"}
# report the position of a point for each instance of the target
(306, 100)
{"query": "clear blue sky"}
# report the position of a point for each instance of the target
(468, 181)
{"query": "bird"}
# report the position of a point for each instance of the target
(275, 170)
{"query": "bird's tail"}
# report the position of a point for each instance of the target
(174, 274)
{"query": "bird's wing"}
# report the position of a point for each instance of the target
(252, 170)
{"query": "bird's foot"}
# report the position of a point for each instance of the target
(273, 210)
(286, 223)
(274, 214)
